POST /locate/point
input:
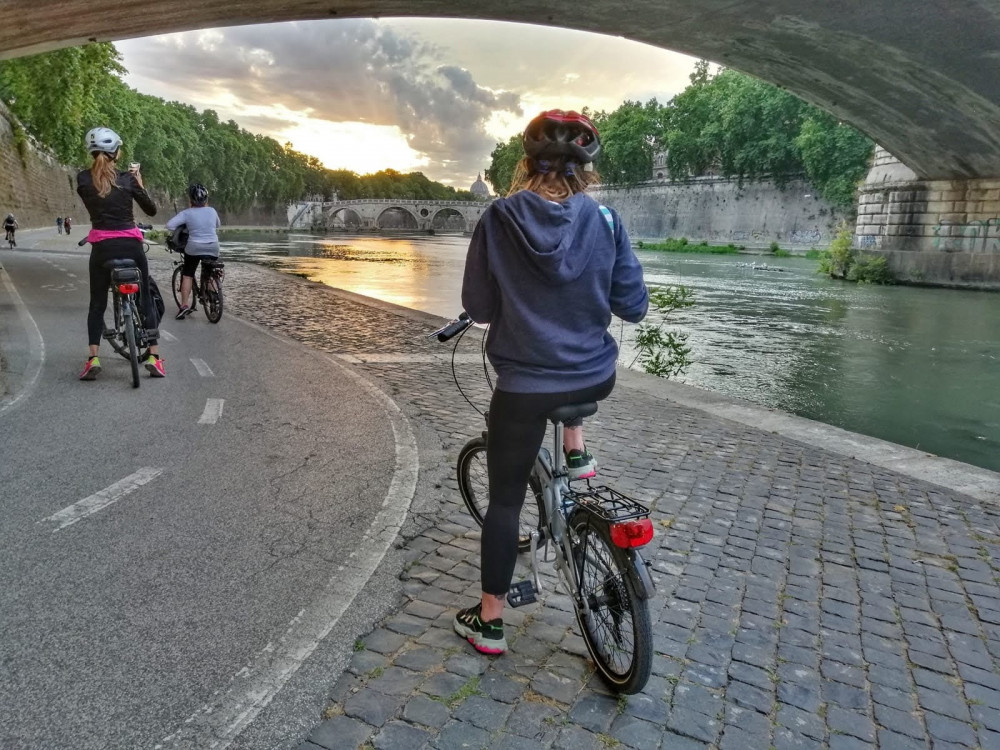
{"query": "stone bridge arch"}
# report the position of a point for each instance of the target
(922, 79)
(401, 209)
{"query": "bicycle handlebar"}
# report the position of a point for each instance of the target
(455, 327)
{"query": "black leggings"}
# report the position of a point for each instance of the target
(516, 430)
(100, 282)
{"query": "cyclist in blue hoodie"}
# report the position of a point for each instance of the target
(547, 267)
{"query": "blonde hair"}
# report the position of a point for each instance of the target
(554, 185)
(103, 173)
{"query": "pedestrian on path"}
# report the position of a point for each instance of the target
(108, 195)
(547, 267)
(59, 224)
(67, 223)
(202, 222)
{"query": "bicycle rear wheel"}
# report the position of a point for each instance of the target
(133, 350)
(474, 486)
(117, 341)
(175, 285)
(617, 627)
(213, 301)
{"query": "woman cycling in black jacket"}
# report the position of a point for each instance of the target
(108, 195)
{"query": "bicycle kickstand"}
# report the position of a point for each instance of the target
(526, 592)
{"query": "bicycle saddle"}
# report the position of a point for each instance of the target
(119, 263)
(572, 411)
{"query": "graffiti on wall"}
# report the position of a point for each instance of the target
(974, 236)
(806, 237)
(868, 241)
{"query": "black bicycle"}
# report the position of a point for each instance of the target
(595, 535)
(10, 239)
(208, 291)
(129, 335)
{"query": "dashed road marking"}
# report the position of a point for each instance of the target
(202, 367)
(100, 500)
(167, 335)
(213, 411)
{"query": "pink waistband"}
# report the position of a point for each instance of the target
(98, 235)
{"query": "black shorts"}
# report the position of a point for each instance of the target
(191, 264)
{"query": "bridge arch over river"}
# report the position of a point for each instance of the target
(371, 213)
(921, 78)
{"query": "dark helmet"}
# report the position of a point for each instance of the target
(198, 193)
(558, 133)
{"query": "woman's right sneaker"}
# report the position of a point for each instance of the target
(486, 637)
(182, 313)
(91, 369)
(581, 464)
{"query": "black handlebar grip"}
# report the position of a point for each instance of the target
(82, 242)
(454, 327)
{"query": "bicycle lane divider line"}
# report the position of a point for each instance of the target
(101, 500)
(36, 344)
(167, 336)
(213, 411)
(202, 367)
(219, 722)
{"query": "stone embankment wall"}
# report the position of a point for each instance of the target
(931, 231)
(34, 186)
(720, 211)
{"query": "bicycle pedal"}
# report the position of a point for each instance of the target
(152, 333)
(521, 593)
(110, 333)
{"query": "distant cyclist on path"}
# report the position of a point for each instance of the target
(202, 221)
(547, 267)
(10, 227)
(108, 194)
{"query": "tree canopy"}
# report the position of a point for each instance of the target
(58, 96)
(728, 123)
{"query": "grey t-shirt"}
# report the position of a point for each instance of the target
(202, 221)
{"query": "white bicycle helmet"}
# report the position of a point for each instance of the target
(103, 140)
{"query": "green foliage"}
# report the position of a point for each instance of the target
(664, 353)
(503, 160)
(835, 156)
(814, 254)
(777, 252)
(60, 95)
(841, 262)
(630, 136)
(672, 245)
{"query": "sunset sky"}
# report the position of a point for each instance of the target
(429, 95)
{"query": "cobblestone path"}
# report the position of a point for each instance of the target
(804, 599)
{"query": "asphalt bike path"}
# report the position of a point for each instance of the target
(171, 554)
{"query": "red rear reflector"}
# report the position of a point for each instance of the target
(128, 288)
(626, 534)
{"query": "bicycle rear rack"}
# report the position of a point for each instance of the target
(607, 504)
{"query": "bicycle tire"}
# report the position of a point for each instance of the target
(213, 301)
(473, 485)
(118, 342)
(133, 350)
(617, 630)
(175, 285)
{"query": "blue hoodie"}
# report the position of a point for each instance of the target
(547, 276)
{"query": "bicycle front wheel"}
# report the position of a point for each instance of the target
(175, 285)
(617, 627)
(213, 301)
(474, 485)
(133, 349)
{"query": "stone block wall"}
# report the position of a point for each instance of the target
(931, 231)
(34, 186)
(720, 211)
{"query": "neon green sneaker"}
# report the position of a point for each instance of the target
(91, 369)
(155, 366)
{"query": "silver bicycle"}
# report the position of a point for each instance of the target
(592, 535)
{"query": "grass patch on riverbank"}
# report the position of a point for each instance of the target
(672, 245)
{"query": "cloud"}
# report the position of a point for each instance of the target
(346, 71)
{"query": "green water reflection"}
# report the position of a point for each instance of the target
(911, 365)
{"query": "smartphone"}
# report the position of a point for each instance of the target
(133, 167)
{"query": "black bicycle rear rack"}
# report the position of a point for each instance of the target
(607, 504)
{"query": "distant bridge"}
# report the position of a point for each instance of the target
(386, 213)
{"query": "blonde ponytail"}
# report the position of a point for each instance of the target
(104, 174)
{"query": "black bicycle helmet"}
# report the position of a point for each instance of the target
(198, 194)
(557, 133)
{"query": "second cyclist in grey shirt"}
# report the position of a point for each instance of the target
(202, 221)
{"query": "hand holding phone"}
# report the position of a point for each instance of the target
(133, 167)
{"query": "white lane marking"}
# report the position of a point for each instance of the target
(202, 367)
(71, 275)
(213, 410)
(218, 723)
(167, 335)
(36, 345)
(100, 500)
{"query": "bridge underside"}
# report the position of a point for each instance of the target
(922, 79)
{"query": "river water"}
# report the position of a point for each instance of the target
(915, 366)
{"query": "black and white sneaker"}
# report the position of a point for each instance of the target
(486, 637)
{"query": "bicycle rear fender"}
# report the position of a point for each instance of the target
(637, 568)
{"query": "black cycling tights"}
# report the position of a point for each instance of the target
(516, 430)
(100, 282)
